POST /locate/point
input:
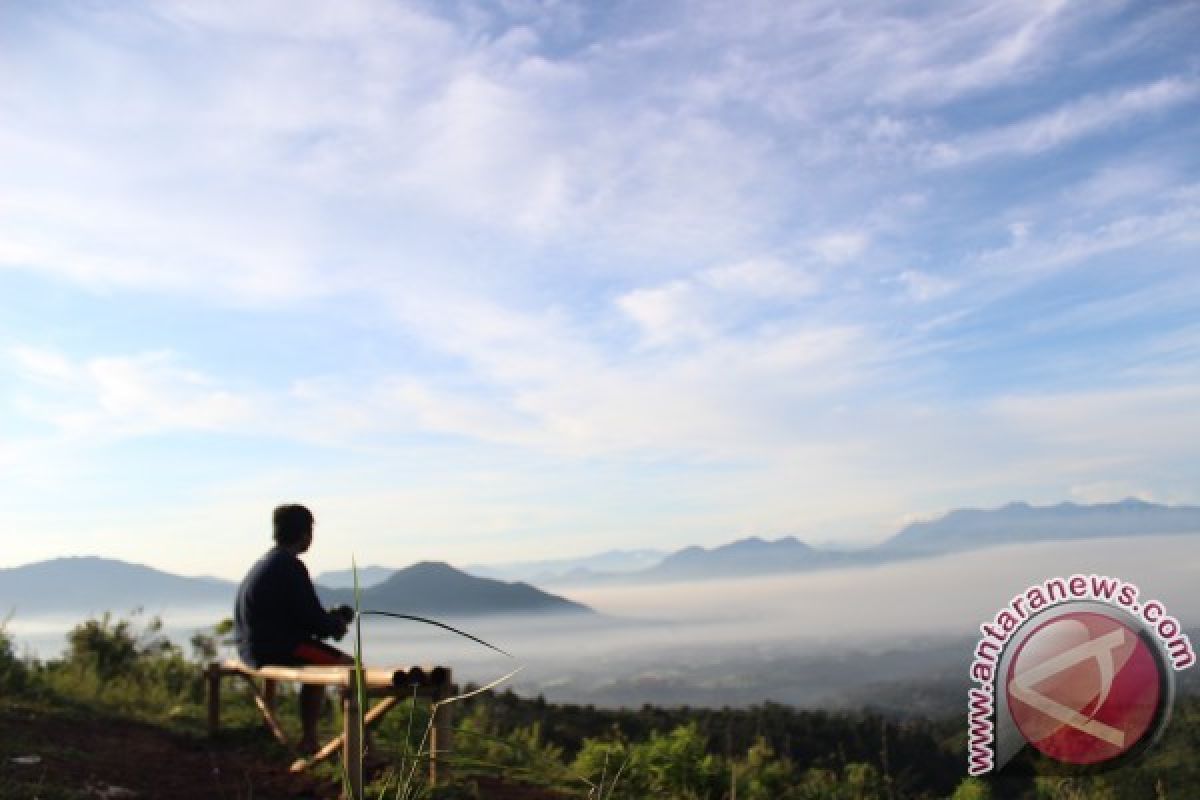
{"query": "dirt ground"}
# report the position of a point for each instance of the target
(56, 755)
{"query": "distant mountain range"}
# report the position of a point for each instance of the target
(560, 569)
(546, 571)
(93, 585)
(90, 585)
(1015, 523)
(752, 556)
(957, 531)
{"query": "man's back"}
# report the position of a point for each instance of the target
(277, 609)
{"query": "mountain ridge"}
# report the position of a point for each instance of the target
(94, 585)
(959, 530)
(125, 585)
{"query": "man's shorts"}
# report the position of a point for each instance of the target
(318, 654)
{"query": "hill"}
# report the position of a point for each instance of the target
(92, 584)
(436, 587)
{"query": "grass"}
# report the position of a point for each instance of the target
(119, 706)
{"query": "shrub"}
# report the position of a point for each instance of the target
(124, 665)
(13, 672)
(763, 776)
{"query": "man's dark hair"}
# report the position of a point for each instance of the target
(291, 521)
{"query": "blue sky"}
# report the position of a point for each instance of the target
(498, 281)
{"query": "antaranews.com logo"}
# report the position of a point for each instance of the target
(1078, 668)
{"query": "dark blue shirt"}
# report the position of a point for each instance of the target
(277, 609)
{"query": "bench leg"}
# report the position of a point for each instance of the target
(212, 678)
(441, 743)
(352, 742)
(339, 742)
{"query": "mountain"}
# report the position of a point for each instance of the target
(752, 556)
(560, 570)
(957, 531)
(438, 588)
(344, 578)
(89, 585)
(94, 585)
(1015, 523)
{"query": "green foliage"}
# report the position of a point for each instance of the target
(480, 745)
(120, 664)
(676, 765)
(764, 753)
(602, 764)
(206, 644)
(672, 766)
(762, 775)
(111, 648)
(13, 672)
(972, 789)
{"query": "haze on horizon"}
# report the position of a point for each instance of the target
(487, 282)
(811, 638)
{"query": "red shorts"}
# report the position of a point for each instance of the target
(319, 654)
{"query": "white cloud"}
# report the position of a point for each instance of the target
(1121, 183)
(676, 239)
(923, 287)
(1127, 424)
(1075, 120)
(669, 313)
(573, 392)
(43, 365)
(761, 277)
(840, 247)
(980, 46)
(114, 397)
(1030, 256)
(714, 300)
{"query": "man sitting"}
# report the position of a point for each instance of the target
(279, 619)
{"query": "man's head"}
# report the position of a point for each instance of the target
(293, 527)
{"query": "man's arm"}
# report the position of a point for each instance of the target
(309, 612)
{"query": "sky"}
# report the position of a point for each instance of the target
(482, 282)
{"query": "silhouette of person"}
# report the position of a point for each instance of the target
(280, 620)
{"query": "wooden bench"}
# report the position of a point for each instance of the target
(391, 685)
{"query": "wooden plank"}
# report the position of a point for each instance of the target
(374, 677)
(333, 745)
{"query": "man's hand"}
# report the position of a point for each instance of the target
(344, 613)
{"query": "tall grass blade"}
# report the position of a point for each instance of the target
(360, 684)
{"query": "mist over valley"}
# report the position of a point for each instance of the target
(894, 635)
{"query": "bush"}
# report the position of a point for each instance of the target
(522, 750)
(13, 672)
(124, 665)
(763, 776)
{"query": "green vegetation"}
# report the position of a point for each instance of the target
(125, 669)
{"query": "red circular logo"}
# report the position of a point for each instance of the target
(1084, 688)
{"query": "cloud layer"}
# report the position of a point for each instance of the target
(775, 269)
